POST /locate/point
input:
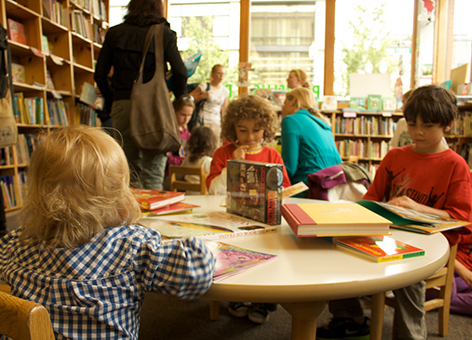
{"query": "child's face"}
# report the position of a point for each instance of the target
(183, 116)
(293, 81)
(427, 137)
(249, 133)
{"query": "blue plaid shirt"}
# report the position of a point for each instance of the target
(96, 291)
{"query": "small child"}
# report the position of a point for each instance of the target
(249, 122)
(199, 149)
(79, 251)
(183, 108)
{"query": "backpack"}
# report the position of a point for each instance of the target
(197, 116)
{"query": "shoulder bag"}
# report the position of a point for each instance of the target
(152, 120)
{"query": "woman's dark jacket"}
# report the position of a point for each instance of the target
(122, 49)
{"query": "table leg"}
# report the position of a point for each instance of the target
(214, 310)
(378, 303)
(304, 316)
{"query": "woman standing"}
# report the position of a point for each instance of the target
(122, 50)
(307, 141)
(297, 78)
(217, 98)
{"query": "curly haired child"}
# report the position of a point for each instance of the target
(79, 251)
(250, 121)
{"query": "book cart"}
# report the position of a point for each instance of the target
(365, 135)
(54, 47)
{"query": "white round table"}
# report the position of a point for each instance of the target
(308, 272)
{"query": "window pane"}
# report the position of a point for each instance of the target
(283, 37)
(373, 37)
(212, 29)
(461, 52)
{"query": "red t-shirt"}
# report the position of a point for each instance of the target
(441, 180)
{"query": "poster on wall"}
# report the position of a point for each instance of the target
(243, 79)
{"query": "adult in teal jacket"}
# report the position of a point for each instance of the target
(307, 141)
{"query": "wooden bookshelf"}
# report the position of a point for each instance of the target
(365, 135)
(63, 39)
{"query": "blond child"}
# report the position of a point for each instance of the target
(250, 121)
(79, 251)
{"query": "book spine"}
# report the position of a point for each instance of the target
(290, 218)
(418, 253)
(390, 258)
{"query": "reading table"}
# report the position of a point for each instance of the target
(309, 272)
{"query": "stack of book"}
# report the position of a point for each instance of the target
(161, 202)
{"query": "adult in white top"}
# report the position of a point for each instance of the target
(217, 98)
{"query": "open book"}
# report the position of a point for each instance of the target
(211, 225)
(411, 220)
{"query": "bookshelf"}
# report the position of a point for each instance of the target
(460, 136)
(56, 43)
(363, 134)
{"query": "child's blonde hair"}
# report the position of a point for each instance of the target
(249, 107)
(305, 100)
(78, 185)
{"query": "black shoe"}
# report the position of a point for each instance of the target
(345, 329)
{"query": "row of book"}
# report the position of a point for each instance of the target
(80, 24)
(56, 12)
(30, 110)
(6, 156)
(362, 148)
(462, 125)
(363, 125)
(25, 147)
(86, 115)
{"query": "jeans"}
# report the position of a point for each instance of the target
(147, 169)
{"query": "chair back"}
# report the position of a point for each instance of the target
(24, 320)
(184, 185)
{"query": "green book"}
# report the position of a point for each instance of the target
(374, 102)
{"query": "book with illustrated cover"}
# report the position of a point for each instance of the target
(18, 73)
(330, 103)
(379, 248)
(231, 260)
(211, 225)
(333, 219)
(254, 190)
(153, 199)
(374, 102)
(16, 31)
(411, 220)
(171, 209)
(294, 189)
(357, 103)
(389, 104)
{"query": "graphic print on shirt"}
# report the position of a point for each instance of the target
(401, 188)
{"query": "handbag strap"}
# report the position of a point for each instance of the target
(155, 31)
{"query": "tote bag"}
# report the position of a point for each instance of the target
(152, 119)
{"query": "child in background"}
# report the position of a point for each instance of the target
(425, 176)
(79, 251)
(183, 108)
(249, 122)
(200, 148)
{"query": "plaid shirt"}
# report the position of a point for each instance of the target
(96, 291)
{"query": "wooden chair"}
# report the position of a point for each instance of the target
(183, 185)
(24, 320)
(439, 284)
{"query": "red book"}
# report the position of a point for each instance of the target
(333, 219)
(173, 208)
(16, 31)
(379, 248)
(153, 199)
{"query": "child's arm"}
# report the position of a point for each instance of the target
(216, 180)
(183, 268)
(405, 201)
(463, 272)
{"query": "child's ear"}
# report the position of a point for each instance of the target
(448, 127)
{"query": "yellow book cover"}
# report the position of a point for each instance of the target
(333, 219)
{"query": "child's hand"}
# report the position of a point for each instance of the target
(240, 152)
(205, 95)
(463, 272)
(406, 202)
